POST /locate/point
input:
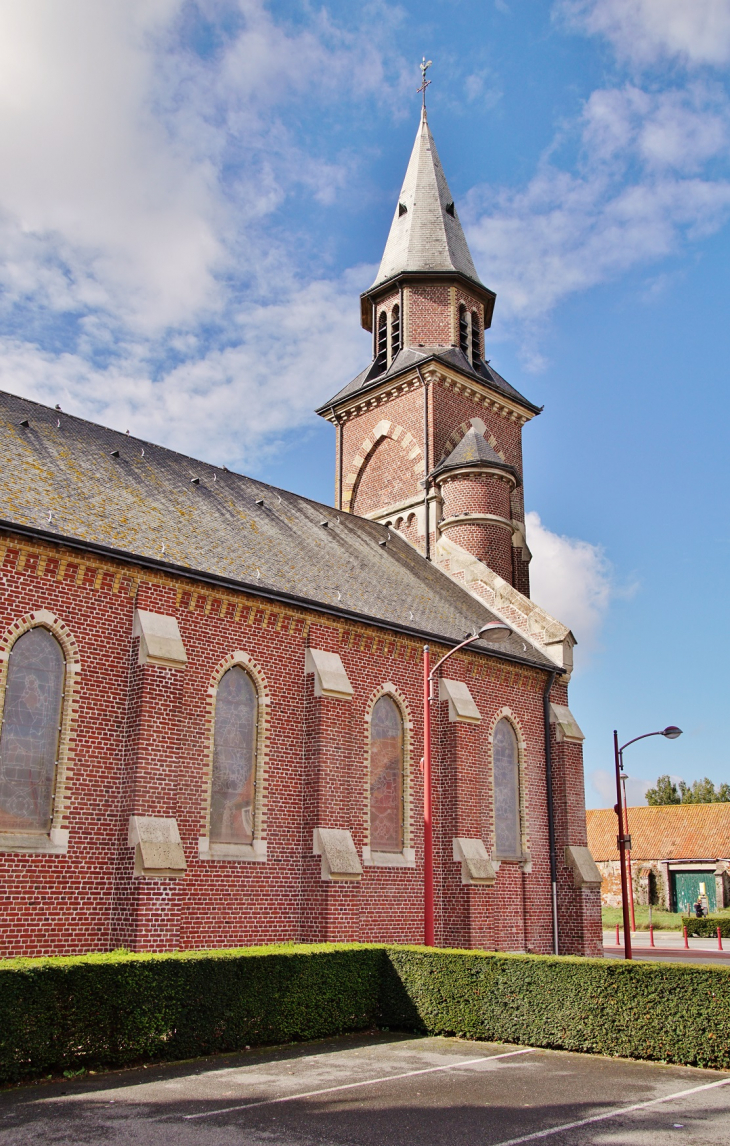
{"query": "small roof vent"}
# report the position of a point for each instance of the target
(403, 210)
(25, 423)
(195, 481)
(450, 208)
(115, 453)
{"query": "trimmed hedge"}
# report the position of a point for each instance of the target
(706, 928)
(99, 1011)
(669, 1012)
(111, 1010)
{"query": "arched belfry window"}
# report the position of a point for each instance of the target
(394, 331)
(386, 776)
(506, 767)
(476, 342)
(30, 732)
(234, 759)
(381, 360)
(463, 330)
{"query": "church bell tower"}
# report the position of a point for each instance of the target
(428, 434)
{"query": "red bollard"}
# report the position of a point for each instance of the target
(686, 940)
(618, 937)
(651, 935)
(719, 939)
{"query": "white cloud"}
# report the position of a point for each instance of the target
(221, 404)
(137, 181)
(645, 31)
(570, 578)
(604, 783)
(641, 189)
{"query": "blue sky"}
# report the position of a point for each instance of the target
(192, 196)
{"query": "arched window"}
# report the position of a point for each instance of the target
(381, 360)
(394, 331)
(234, 759)
(386, 776)
(30, 732)
(463, 330)
(476, 344)
(507, 826)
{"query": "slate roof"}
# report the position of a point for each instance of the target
(473, 449)
(210, 522)
(667, 832)
(427, 236)
(409, 357)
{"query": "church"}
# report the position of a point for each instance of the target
(212, 690)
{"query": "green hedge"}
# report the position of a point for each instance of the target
(99, 1011)
(707, 926)
(670, 1012)
(111, 1010)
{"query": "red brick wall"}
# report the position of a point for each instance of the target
(142, 744)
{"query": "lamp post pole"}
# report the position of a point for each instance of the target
(621, 840)
(624, 778)
(428, 933)
(671, 732)
(499, 631)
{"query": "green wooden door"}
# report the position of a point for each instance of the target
(686, 888)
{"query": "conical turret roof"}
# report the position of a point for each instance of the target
(425, 234)
(474, 450)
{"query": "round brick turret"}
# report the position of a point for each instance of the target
(475, 487)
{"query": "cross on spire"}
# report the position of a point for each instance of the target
(424, 66)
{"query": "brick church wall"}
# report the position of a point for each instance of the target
(141, 746)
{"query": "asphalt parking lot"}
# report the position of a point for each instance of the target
(378, 1089)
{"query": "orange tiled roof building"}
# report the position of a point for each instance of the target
(674, 849)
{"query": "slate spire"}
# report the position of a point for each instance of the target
(425, 234)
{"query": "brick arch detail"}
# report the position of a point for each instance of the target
(384, 429)
(256, 673)
(391, 690)
(456, 435)
(43, 618)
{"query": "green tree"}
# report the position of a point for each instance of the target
(665, 792)
(700, 792)
(704, 792)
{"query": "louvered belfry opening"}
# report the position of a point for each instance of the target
(476, 342)
(381, 360)
(463, 330)
(394, 332)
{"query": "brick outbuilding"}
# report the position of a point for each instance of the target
(676, 851)
(211, 688)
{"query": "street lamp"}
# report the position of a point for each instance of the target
(496, 631)
(671, 732)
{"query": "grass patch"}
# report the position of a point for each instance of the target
(662, 920)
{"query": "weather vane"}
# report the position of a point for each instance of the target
(424, 66)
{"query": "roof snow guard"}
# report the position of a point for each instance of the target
(425, 236)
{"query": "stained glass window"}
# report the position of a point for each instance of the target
(386, 777)
(30, 732)
(234, 755)
(508, 837)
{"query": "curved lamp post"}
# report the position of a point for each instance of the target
(498, 631)
(671, 732)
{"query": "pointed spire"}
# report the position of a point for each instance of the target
(425, 234)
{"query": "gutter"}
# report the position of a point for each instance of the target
(257, 590)
(550, 806)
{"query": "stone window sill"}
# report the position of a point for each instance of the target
(55, 843)
(525, 862)
(406, 858)
(255, 852)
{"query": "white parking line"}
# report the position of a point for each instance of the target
(611, 1114)
(364, 1082)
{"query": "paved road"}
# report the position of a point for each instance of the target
(381, 1090)
(669, 948)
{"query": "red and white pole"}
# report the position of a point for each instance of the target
(428, 929)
